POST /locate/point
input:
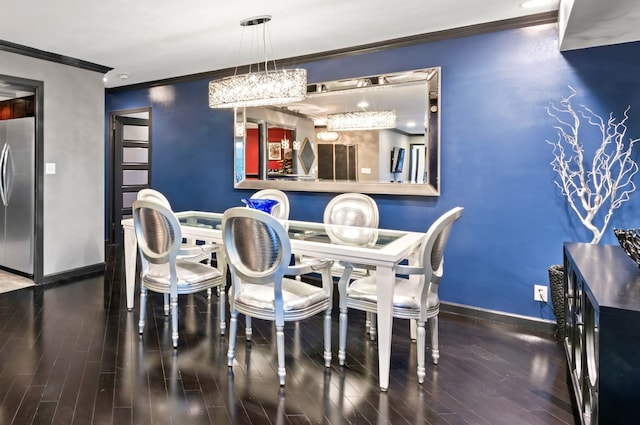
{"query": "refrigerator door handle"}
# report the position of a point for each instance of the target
(7, 175)
(3, 174)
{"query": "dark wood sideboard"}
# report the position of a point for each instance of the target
(602, 333)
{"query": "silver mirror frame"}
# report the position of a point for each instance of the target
(432, 78)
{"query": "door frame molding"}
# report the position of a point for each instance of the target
(38, 246)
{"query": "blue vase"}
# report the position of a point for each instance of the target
(264, 205)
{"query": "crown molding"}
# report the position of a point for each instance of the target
(8, 46)
(502, 25)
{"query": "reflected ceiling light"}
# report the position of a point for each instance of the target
(361, 120)
(534, 3)
(165, 95)
(328, 136)
(266, 87)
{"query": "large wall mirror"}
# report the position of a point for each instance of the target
(372, 134)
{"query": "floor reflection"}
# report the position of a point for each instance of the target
(11, 281)
(71, 353)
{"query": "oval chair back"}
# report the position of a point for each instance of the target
(281, 210)
(431, 255)
(257, 246)
(352, 209)
(149, 194)
(157, 231)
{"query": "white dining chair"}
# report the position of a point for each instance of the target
(343, 211)
(415, 297)
(281, 210)
(258, 250)
(159, 240)
(353, 209)
(189, 250)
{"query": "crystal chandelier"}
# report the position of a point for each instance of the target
(361, 120)
(266, 87)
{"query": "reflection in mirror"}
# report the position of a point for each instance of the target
(375, 134)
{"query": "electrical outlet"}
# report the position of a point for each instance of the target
(540, 293)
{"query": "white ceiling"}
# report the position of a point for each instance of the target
(158, 39)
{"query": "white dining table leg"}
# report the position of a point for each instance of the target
(130, 257)
(384, 290)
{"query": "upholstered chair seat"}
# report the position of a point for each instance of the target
(192, 276)
(406, 294)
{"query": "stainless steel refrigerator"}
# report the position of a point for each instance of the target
(17, 194)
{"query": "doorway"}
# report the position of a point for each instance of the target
(130, 165)
(23, 99)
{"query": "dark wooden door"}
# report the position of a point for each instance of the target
(131, 169)
(337, 162)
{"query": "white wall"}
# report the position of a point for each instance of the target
(73, 223)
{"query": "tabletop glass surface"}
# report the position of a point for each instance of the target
(310, 231)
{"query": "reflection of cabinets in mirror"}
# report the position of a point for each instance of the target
(602, 333)
(337, 161)
(17, 108)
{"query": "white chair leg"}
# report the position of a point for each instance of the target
(342, 338)
(208, 294)
(280, 346)
(327, 338)
(233, 328)
(143, 309)
(421, 341)
(247, 328)
(367, 321)
(433, 329)
(174, 320)
(373, 331)
(221, 308)
(166, 304)
(413, 329)
(344, 309)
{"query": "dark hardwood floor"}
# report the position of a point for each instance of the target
(71, 354)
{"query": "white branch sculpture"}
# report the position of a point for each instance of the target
(591, 183)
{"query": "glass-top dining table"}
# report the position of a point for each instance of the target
(383, 249)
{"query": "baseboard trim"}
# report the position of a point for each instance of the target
(76, 274)
(531, 323)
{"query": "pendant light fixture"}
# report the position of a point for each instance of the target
(361, 120)
(263, 87)
(328, 136)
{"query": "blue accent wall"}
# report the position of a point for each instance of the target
(495, 161)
